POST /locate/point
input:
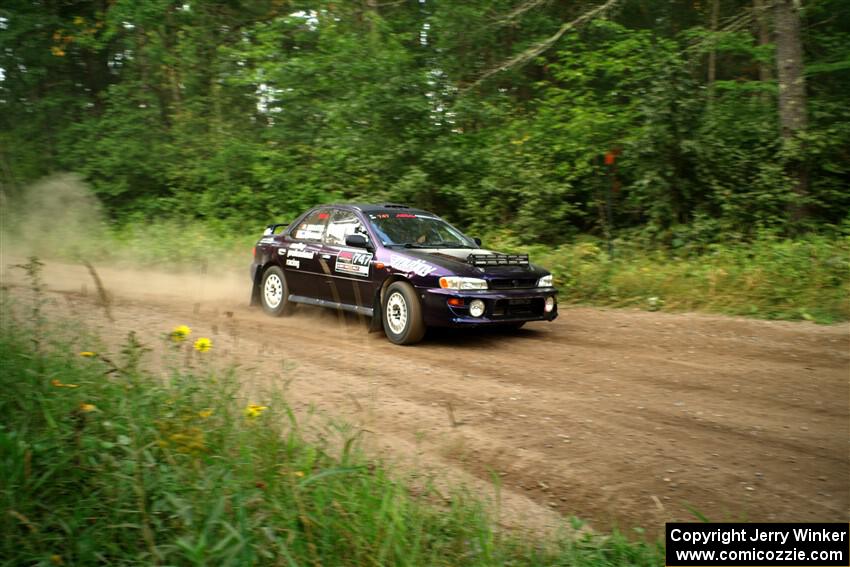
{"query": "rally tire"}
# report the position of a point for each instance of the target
(274, 292)
(402, 314)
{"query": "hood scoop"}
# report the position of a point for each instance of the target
(482, 260)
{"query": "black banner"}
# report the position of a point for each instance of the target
(763, 545)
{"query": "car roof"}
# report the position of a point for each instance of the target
(378, 208)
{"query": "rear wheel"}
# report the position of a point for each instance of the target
(274, 292)
(402, 314)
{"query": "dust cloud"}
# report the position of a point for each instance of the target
(60, 221)
(57, 217)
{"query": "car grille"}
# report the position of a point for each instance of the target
(527, 307)
(514, 283)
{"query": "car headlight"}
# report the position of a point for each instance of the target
(455, 282)
(545, 281)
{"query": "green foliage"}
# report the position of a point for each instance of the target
(252, 111)
(103, 462)
(770, 278)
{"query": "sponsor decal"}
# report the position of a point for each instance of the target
(357, 263)
(305, 234)
(310, 231)
(408, 265)
(293, 263)
(308, 255)
(299, 250)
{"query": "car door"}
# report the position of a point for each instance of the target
(301, 258)
(351, 269)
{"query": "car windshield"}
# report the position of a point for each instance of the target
(416, 230)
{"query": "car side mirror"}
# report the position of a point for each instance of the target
(477, 241)
(357, 241)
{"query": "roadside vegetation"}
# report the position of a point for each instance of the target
(768, 277)
(555, 126)
(103, 461)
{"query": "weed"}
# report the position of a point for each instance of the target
(128, 468)
(770, 278)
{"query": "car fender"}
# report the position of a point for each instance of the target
(377, 323)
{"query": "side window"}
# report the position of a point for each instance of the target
(341, 225)
(312, 227)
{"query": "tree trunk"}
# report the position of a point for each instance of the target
(789, 59)
(712, 55)
(763, 32)
(792, 92)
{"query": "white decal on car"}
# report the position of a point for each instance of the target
(306, 254)
(349, 262)
(407, 265)
(293, 263)
(309, 234)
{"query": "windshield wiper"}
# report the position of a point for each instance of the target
(432, 245)
(445, 244)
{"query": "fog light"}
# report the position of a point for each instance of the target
(550, 304)
(476, 308)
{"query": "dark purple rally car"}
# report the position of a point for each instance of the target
(406, 268)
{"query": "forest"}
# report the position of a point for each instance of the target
(674, 121)
(680, 155)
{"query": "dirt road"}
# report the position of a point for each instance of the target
(619, 417)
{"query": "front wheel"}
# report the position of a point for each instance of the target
(274, 292)
(402, 314)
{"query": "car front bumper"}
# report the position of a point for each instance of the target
(500, 307)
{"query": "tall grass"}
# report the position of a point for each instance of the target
(771, 278)
(103, 463)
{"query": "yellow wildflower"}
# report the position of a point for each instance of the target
(88, 354)
(253, 410)
(56, 559)
(203, 344)
(205, 413)
(180, 333)
(59, 384)
(87, 407)
(299, 474)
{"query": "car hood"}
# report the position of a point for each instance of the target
(454, 260)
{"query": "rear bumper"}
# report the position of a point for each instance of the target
(508, 306)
